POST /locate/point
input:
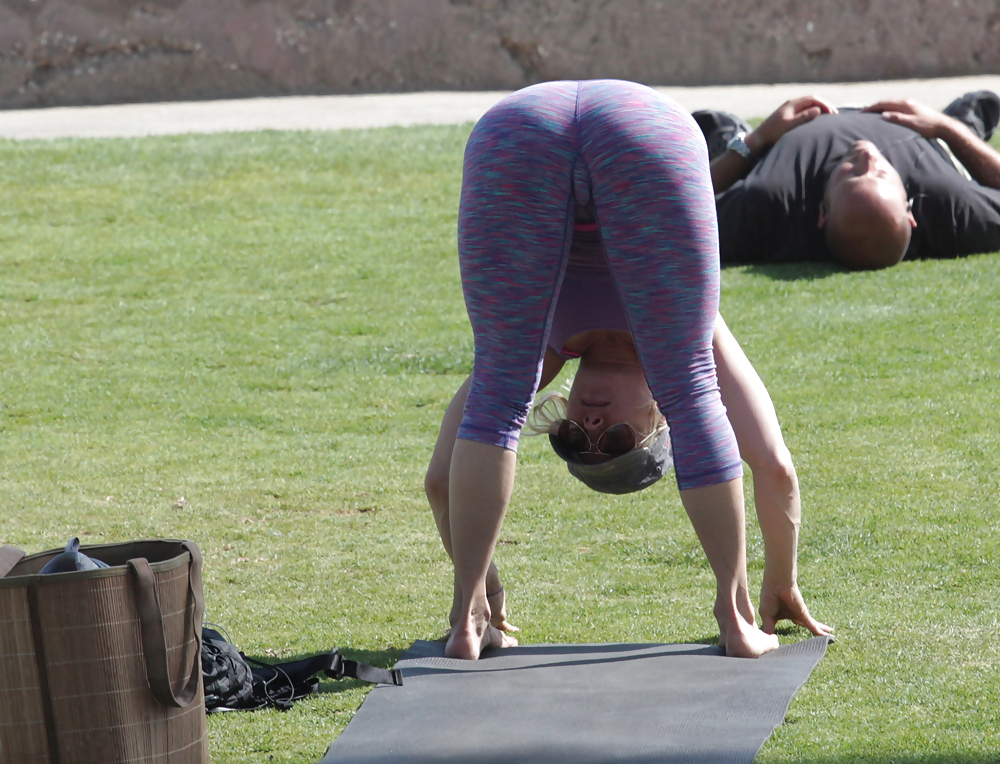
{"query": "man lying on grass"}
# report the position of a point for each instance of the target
(863, 188)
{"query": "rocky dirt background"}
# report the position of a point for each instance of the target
(63, 52)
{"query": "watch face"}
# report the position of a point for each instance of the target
(738, 145)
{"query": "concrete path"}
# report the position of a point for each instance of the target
(362, 111)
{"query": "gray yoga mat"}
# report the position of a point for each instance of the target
(577, 704)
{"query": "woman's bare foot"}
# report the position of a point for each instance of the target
(741, 639)
(495, 597)
(498, 617)
(471, 636)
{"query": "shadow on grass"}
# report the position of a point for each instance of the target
(796, 271)
(713, 641)
(783, 630)
(786, 629)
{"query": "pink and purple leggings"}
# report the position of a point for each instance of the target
(642, 162)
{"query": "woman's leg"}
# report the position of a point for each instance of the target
(438, 471)
(436, 486)
(514, 232)
(656, 214)
(482, 477)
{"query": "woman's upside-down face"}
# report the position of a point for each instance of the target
(605, 394)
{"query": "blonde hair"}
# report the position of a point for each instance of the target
(549, 410)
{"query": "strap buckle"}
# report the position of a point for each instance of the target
(341, 667)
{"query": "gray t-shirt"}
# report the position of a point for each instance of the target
(771, 215)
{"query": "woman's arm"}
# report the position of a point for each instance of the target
(776, 487)
(717, 514)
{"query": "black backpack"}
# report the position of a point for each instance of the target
(234, 682)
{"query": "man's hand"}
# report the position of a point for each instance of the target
(729, 167)
(921, 119)
(788, 116)
(786, 603)
(978, 157)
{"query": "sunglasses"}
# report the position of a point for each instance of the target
(617, 440)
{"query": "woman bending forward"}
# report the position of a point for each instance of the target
(587, 229)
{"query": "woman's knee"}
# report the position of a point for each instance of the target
(436, 485)
(774, 465)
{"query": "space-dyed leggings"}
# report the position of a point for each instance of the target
(643, 163)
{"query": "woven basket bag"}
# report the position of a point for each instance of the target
(103, 666)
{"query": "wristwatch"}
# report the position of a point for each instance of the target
(738, 144)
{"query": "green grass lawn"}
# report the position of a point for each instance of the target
(249, 341)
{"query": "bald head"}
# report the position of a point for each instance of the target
(866, 216)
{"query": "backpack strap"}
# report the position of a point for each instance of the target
(342, 667)
(9, 557)
(333, 664)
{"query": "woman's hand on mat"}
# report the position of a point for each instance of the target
(785, 603)
(786, 117)
(498, 610)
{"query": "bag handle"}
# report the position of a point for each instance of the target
(9, 557)
(154, 640)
